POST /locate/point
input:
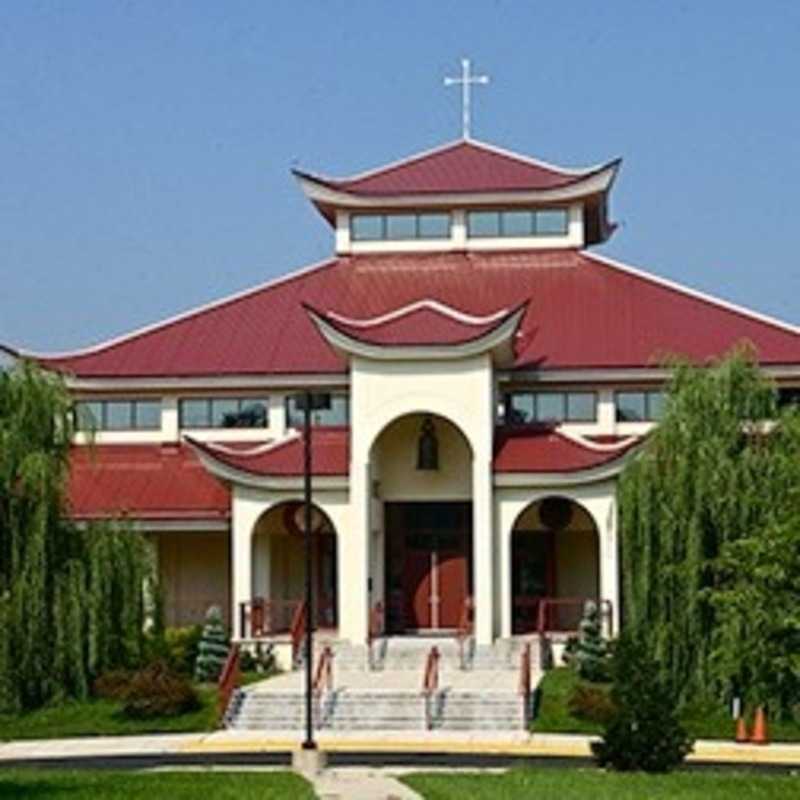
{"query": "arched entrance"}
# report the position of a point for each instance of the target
(422, 472)
(279, 566)
(554, 565)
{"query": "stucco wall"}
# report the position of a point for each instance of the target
(194, 570)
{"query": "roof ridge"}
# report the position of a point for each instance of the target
(696, 294)
(428, 303)
(175, 318)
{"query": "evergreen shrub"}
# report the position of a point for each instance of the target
(590, 656)
(213, 648)
(643, 733)
(181, 646)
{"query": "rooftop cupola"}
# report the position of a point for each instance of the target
(465, 195)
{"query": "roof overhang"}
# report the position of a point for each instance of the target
(328, 197)
(496, 341)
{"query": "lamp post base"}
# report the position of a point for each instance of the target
(309, 761)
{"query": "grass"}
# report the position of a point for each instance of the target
(113, 785)
(702, 722)
(99, 717)
(578, 784)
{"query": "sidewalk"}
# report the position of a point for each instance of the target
(484, 743)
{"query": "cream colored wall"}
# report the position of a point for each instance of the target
(599, 501)
(252, 570)
(194, 574)
(462, 392)
(394, 457)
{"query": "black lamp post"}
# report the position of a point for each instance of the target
(308, 402)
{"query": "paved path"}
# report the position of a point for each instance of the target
(361, 784)
(486, 743)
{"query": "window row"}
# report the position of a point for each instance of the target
(541, 222)
(118, 415)
(377, 227)
(480, 224)
(201, 412)
(524, 408)
(224, 412)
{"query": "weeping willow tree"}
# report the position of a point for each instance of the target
(713, 475)
(72, 600)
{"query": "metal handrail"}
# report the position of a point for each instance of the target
(297, 630)
(464, 630)
(430, 683)
(525, 682)
(376, 620)
(229, 681)
(261, 618)
(323, 677)
(548, 603)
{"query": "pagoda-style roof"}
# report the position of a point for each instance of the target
(467, 173)
(584, 312)
(330, 451)
(545, 449)
(464, 166)
(423, 329)
(154, 482)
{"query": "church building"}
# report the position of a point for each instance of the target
(480, 376)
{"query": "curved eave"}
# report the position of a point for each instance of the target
(238, 476)
(327, 196)
(497, 341)
(608, 470)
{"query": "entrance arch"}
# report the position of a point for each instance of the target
(422, 567)
(555, 565)
(278, 553)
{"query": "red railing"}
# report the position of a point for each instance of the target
(376, 622)
(563, 614)
(525, 683)
(259, 617)
(464, 630)
(430, 683)
(297, 630)
(229, 680)
(323, 676)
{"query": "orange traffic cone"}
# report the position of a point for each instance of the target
(741, 731)
(760, 733)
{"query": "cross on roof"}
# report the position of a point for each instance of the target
(466, 80)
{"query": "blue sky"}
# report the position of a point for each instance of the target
(145, 147)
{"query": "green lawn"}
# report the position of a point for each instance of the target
(186, 785)
(701, 722)
(104, 718)
(578, 784)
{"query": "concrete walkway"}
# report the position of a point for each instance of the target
(508, 743)
(361, 784)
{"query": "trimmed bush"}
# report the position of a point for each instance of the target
(591, 703)
(158, 691)
(113, 685)
(643, 733)
(182, 646)
(213, 648)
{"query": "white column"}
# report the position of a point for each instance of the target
(354, 560)
(483, 556)
(170, 423)
(609, 559)
(277, 415)
(246, 511)
(504, 554)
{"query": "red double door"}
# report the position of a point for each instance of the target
(428, 557)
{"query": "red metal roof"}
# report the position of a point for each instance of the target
(541, 449)
(584, 312)
(149, 482)
(330, 455)
(421, 324)
(462, 166)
